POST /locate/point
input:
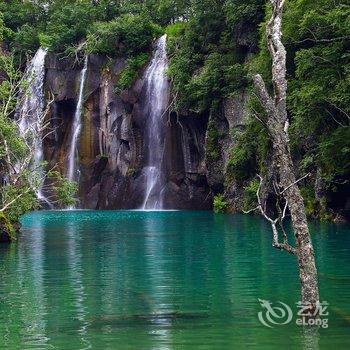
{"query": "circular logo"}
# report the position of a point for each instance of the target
(274, 315)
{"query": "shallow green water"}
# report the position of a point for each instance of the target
(161, 280)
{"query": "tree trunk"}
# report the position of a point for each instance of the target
(277, 124)
(305, 252)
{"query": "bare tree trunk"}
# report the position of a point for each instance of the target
(277, 124)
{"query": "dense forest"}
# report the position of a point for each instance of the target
(214, 48)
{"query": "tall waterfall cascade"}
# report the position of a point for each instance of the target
(73, 169)
(30, 112)
(157, 99)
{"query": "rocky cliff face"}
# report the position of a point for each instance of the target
(221, 135)
(111, 145)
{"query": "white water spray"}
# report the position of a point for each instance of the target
(157, 98)
(30, 112)
(73, 171)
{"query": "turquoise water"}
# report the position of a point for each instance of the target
(162, 280)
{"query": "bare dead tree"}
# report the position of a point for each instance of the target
(278, 124)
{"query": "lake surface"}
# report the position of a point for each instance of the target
(162, 280)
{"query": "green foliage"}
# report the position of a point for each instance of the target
(167, 11)
(26, 39)
(212, 144)
(68, 24)
(6, 225)
(18, 194)
(220, 204)
(214, 49)
(128, 34)
(9, 132)
(250, 198)
(310, 201)
(27, 200)
(318, 95)
(22, 21)
(2, 27)
(64, 189)
(175, 30)
(131, 71)
(316, 37)
(8, 100)
(207, 61)
(244, 15)
(334, 153)
(218, 78)
(240, 163)
(250, 154)
(16, 197)
(17, 12)
(58, 25)
(315, 208)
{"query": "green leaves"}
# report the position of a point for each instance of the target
(128, 34)
(27, 200)
(63, 190)
(250, 199)
(334, 153)
(220, 204)
(218, 78)
(68, 25)
(131, 71)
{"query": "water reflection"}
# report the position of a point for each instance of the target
(122, 280)
(160, 281)
(75, 273)
(31, 273)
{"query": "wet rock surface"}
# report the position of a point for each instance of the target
(112, 145)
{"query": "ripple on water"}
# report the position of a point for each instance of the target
(161, 280)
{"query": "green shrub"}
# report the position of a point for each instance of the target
(131, 71)
(6, 225)
(67, 25)
(220, 204)
(28, 201)
(26, 39)
(250, 199)
(315, 208)
(64, 189)
(212, 145)
(175, 30)
(240, 163)
(219, 77)
(334, 153)
(125, 35)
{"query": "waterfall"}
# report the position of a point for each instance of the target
(73, 171)
(157, 98)
(30, 112)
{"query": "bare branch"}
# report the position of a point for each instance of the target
(251, 210)
(294, 183)
(275, 241)
(319, 41)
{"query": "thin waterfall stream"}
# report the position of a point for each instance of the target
(30, 113)
(157, 98)
(73, 169)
